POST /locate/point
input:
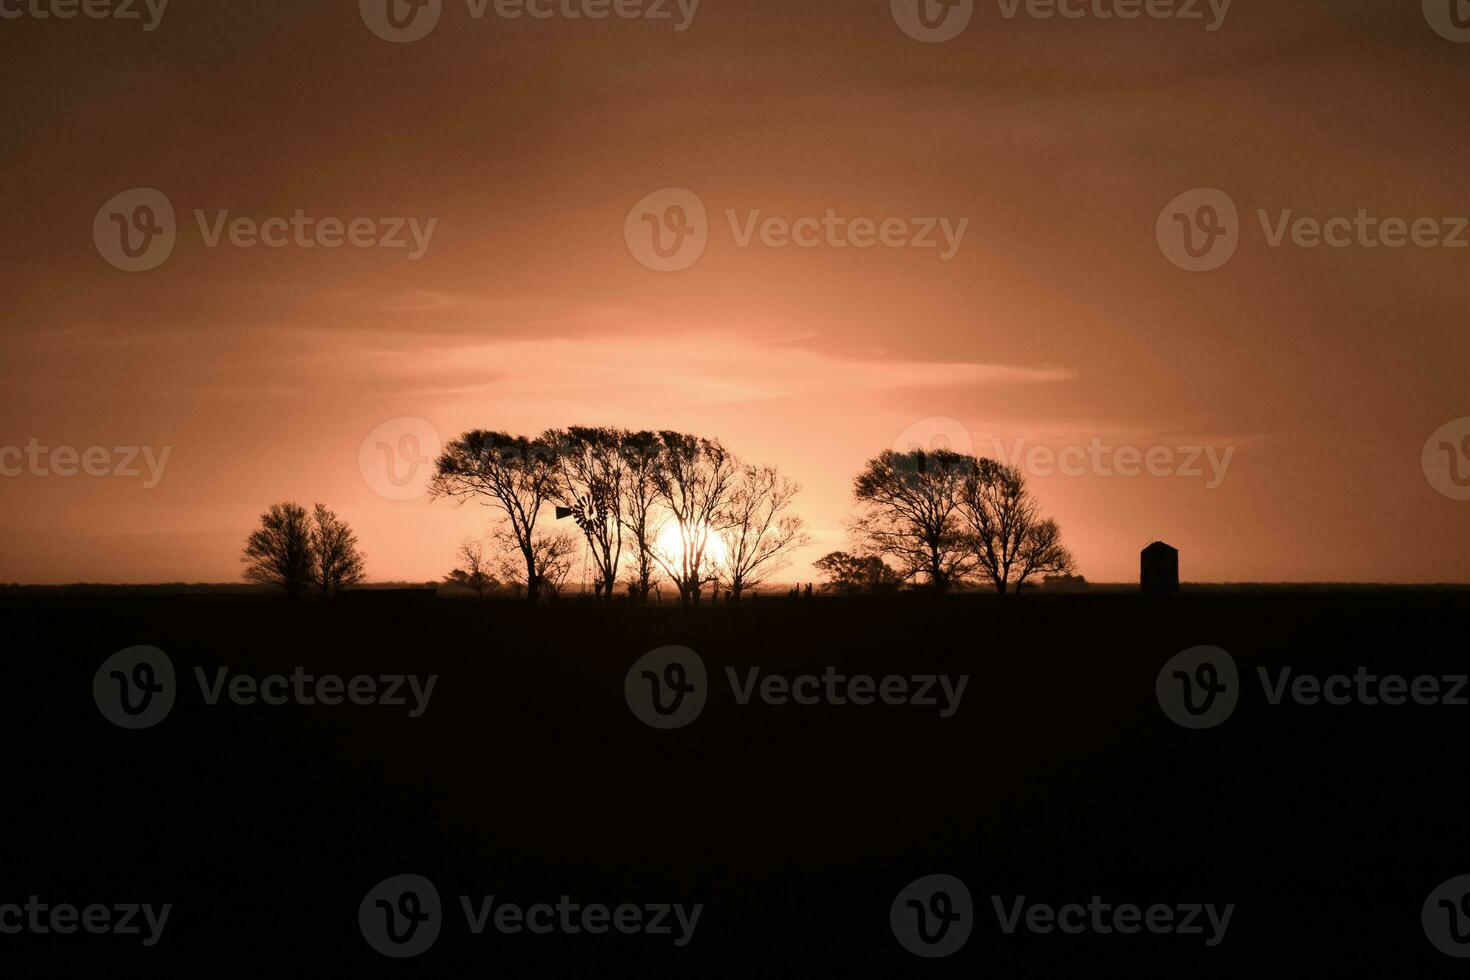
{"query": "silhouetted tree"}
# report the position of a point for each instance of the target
(641, 452)
(592, 487)
(1042, 552)
(853, 573)
(554, 553)
(279, 552)
(474, 568)
(512, 474)
(756, 529)
(335, 558)
(692, 480)
(909, 511)
(1012, 542)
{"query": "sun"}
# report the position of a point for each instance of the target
(671, 545)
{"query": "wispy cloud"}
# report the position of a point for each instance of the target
(686, 371)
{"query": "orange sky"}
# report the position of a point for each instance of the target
(1058, 321)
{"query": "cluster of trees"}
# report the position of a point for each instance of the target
(296, 551)
(944, 518)
(645, 503)
(651, 504)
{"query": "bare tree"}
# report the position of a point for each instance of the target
(692, 481)
(641, 452)
(1042, 553)
(1011, 541)
(909, 511)
(515, 475)
(474, 568)
(279, 552)
(592, 487)
(557, 554)
(758, 532)
(554, 554)
(335, 558)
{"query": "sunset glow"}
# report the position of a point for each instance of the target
(1052, 323)
(671, 545)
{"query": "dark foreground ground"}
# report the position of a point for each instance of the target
(529, 778)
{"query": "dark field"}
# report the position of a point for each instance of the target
(528, 777)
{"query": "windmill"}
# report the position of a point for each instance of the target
(590, 512)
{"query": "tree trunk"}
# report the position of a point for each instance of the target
(533, 581)
(936, 576)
